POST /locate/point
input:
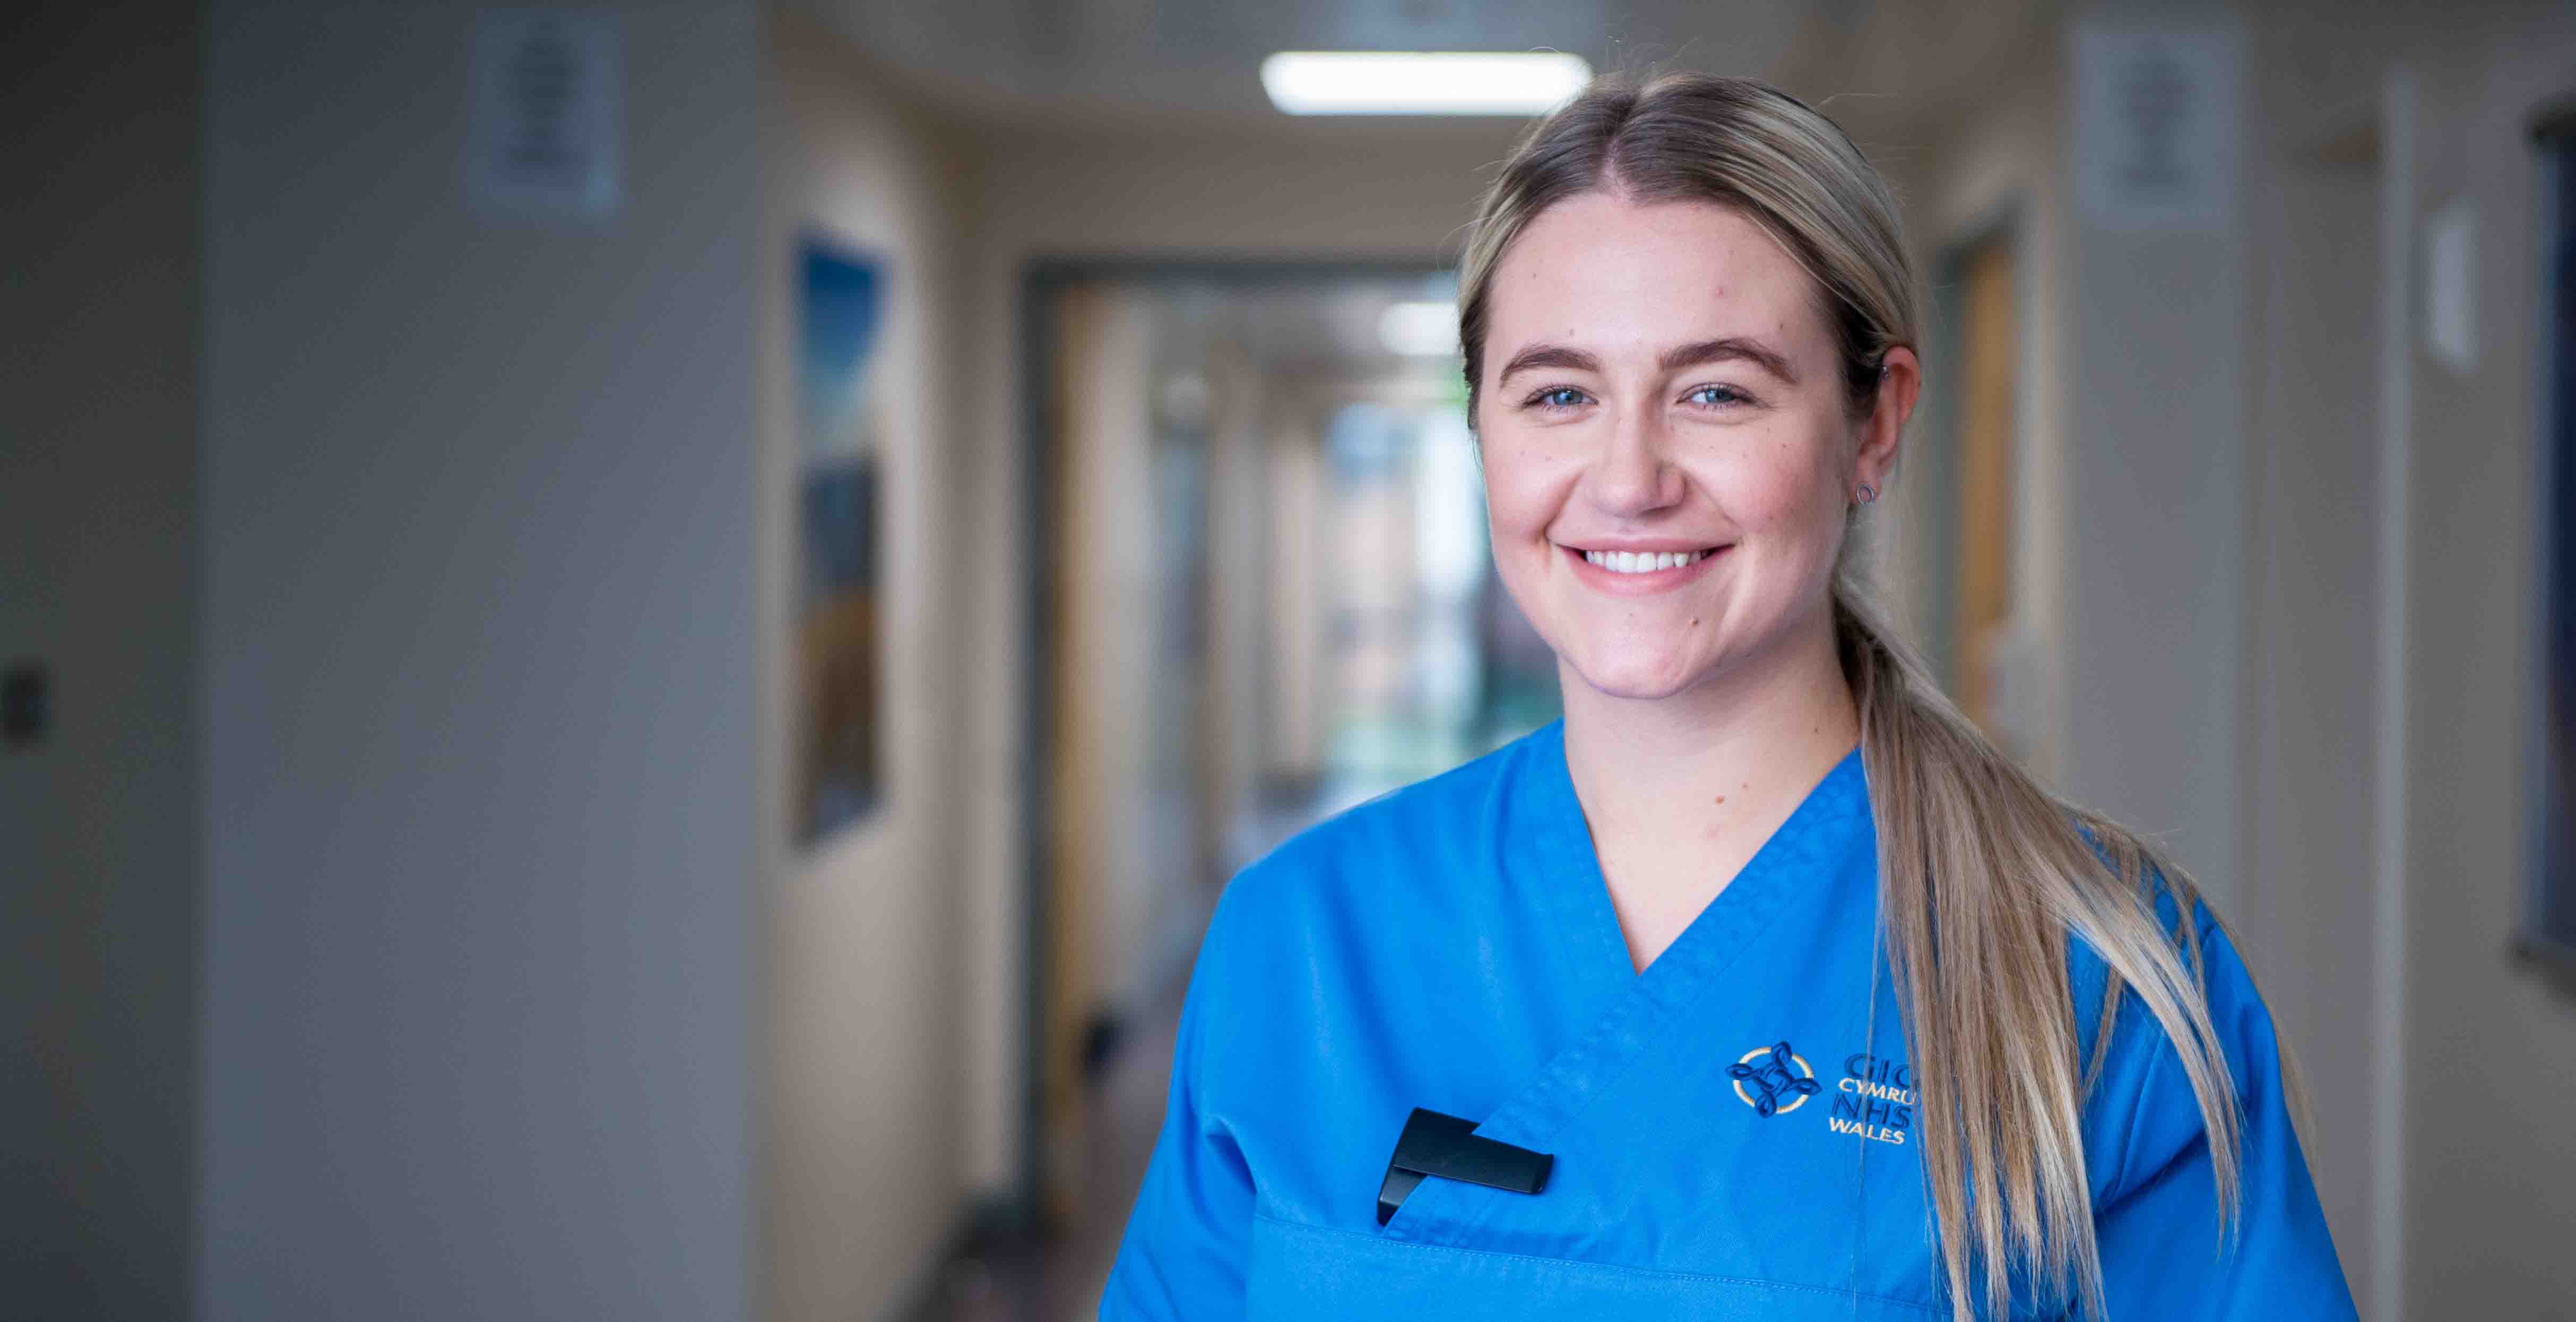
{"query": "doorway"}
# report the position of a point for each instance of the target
(1264, 596)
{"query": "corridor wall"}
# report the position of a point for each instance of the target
(2236, 516)
(481, 813)
(867, 969)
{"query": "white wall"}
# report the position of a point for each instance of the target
(98, 851)
(2312, 582)
(2490, 1172)
(2213, 403)
(478, 628)
(865, 1176)
(2446, 1201)
(2153, 479)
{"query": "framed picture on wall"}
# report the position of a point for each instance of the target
(839, 614)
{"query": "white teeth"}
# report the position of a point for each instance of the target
(1646, 562)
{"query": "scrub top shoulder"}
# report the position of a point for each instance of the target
(1732, 1129)
(2164, 1249)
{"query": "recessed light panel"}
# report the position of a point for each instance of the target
(1422, 82)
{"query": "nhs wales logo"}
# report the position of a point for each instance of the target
(1773, 1080)
(1874, 1099)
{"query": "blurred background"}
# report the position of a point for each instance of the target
(637, 637)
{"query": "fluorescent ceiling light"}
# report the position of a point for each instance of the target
(1419, 330)
(1303, 82)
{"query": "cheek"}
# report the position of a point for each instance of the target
(1787, 487)
(1523, 492)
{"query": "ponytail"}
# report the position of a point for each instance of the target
(1982, 874)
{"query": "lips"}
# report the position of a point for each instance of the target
(1638, 572)
(1642, 562)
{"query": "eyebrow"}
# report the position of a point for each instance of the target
(1731, 348)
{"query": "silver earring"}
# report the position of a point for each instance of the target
(1868, 493)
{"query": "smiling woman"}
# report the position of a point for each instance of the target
(1626, 422)
(1561, 1008)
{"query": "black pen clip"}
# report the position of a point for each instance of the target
(1446, 1146)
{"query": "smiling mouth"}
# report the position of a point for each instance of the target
(1647, 562)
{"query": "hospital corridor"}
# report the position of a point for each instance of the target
(637, 640)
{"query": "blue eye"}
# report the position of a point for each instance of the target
(1557, 397)
(1714, 395)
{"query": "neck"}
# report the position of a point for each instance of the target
(1740, 748)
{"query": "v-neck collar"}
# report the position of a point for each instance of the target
(1637, 1007)
(1584, 900)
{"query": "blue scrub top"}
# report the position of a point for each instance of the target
(1452, 946)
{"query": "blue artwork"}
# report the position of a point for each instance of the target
(840, 644)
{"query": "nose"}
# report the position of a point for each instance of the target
(1634, 476)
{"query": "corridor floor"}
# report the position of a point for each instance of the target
(1058, 1278)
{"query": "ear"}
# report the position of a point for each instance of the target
(1900, 380)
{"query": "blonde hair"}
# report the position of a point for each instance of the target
(1982, 872)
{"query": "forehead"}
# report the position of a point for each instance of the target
(1601, 271)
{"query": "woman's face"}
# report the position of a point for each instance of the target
(1669, 452)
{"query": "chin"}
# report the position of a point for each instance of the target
(1639, 677)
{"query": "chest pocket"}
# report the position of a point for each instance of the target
(1693, 1195)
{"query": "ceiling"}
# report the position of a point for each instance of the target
(1104, 63)
(1893, 73)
